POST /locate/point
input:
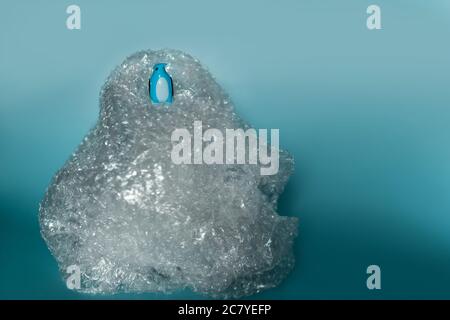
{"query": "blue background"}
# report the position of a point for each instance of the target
(366, 115)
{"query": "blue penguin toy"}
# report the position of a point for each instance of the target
(160, 85)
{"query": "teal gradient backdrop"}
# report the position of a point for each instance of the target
(366, 115)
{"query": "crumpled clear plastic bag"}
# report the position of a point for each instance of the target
(133, 221)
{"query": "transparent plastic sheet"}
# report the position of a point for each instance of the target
(133, 221)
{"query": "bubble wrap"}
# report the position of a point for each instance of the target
(133, 221)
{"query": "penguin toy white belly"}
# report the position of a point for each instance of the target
(160, 85)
